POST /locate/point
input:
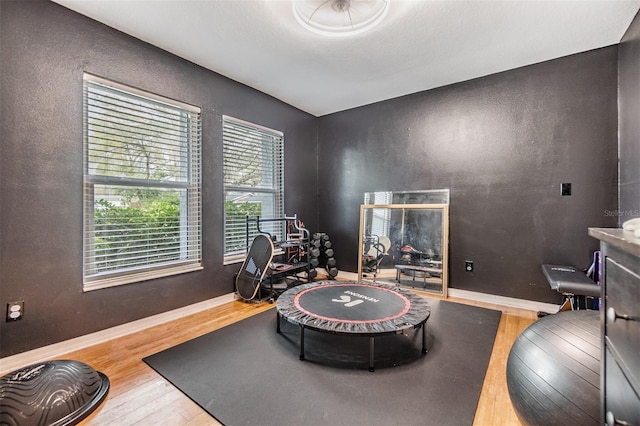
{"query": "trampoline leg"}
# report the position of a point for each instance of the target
(371, 350)
(277, 321)
(301, 343)
(424, 338)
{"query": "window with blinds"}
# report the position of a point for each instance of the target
(381, 218)
(253, 159)
(142, 184)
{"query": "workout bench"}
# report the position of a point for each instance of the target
(574, 285)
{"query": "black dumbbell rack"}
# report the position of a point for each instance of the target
(321, 254)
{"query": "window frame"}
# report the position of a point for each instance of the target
(276, 190)
(189, 189)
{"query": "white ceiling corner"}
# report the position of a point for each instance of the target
(420, 45)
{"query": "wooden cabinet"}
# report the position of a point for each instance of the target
(620, 320)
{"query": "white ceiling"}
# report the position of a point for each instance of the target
(420, 45)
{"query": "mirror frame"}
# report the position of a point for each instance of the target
(407, 197)
(445, 236)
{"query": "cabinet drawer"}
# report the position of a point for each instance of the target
(621, 401)
(622, 293)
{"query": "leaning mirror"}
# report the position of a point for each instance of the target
(406, 244)
(429, 196)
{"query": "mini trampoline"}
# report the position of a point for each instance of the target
(353, 308)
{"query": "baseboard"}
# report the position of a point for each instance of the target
(13, 362)
(510, 302)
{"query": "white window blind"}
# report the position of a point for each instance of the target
(142, 208)
(253, 159)
(381, 218)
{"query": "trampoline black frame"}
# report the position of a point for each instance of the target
(421, 323)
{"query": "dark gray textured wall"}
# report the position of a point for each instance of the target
(629, 94)
(45, 49)
(503, 144)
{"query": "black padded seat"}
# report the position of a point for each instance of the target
(574, 285)
(569, 280)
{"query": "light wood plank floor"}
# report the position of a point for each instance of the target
(140, 396)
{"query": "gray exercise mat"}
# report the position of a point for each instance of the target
(247, 374)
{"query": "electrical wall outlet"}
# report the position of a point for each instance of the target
(565, 189)
(15, 310)
(468, 265)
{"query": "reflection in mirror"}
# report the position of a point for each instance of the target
(432, 196)
(405, 245)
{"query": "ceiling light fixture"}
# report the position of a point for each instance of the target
(338, 18)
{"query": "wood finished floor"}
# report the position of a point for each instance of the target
(140, 396)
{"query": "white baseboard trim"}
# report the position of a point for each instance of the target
(484, 297)
(13, 362)
(511, 302)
